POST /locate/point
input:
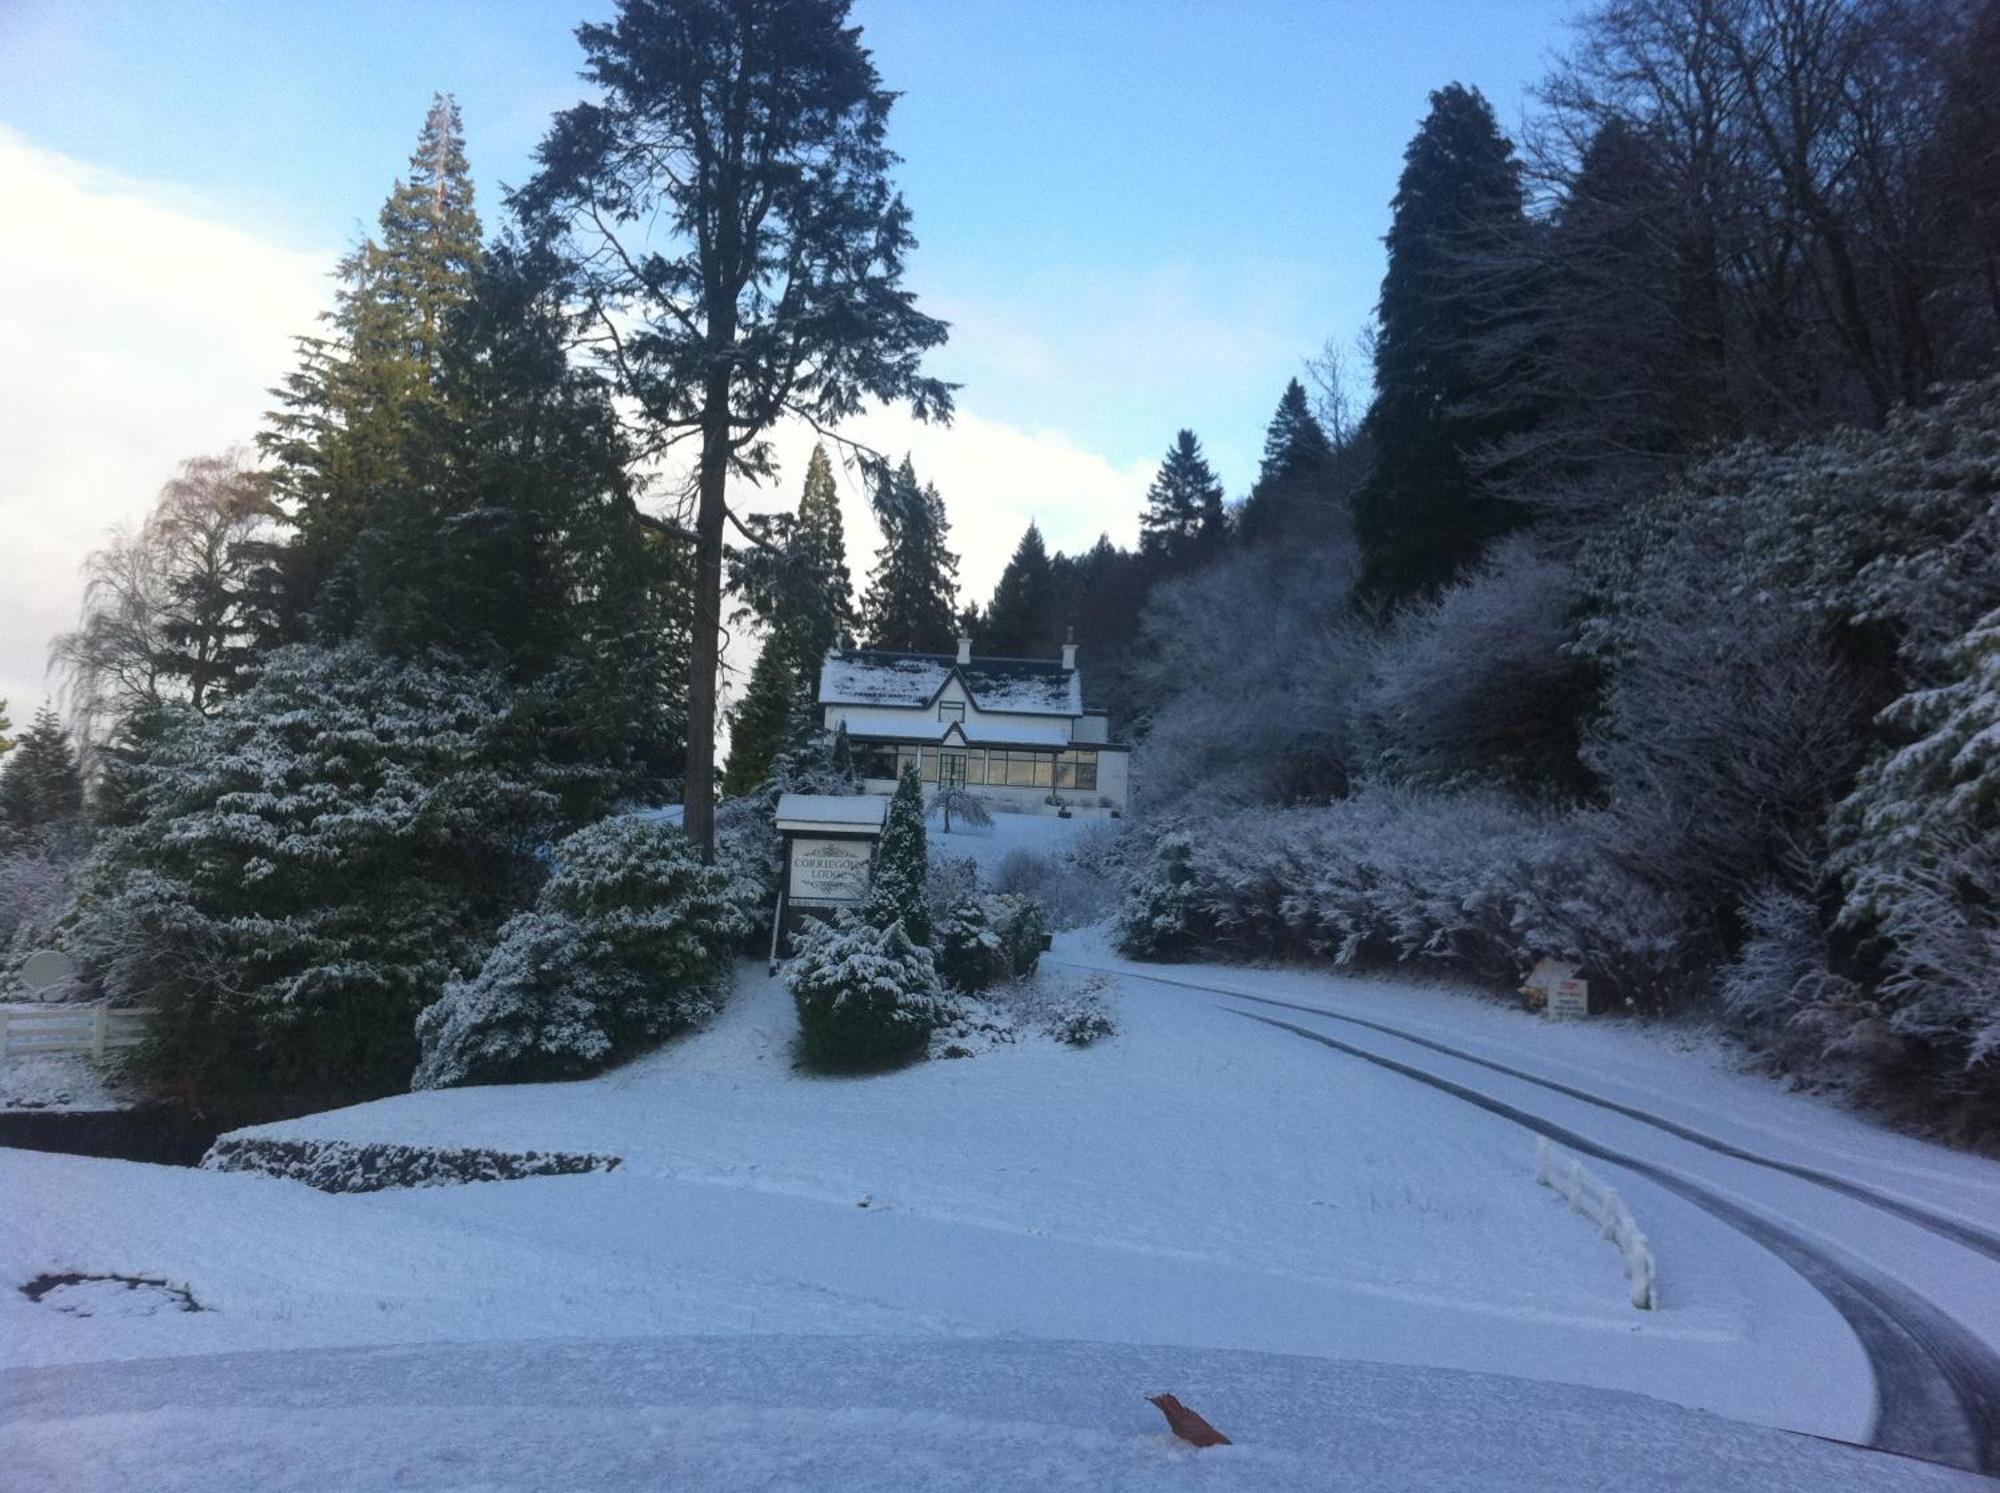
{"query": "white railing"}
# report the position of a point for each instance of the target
(97, 1030)
(1605, 1208)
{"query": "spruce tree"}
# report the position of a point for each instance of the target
(41, 788)
(909, 604)
(6, 741)
(1020, 621)
(902, 863)
(1293, 499)
(1183, 521)
(757, 726)
(796, 582)
(345, 434)
(1420, 516)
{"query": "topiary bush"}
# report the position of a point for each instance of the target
(629, 942)
(868, 998)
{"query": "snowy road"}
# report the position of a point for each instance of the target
(1915, 1278)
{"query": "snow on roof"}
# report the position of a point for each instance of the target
(1013, 686)
(804, 810)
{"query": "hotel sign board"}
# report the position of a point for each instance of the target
(828, 872)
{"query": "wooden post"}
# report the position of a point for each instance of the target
(100, 1026)
(3, 1034)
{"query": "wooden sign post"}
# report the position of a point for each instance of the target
(829, 857)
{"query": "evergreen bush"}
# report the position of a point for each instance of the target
(868, 998)
(629, 942)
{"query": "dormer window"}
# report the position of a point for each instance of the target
(951, 710)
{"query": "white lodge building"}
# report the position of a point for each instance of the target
(1013, 730)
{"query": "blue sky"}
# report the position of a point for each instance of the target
(1138, 215)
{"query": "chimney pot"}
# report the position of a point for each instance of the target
(965, 650)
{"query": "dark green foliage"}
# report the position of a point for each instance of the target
(41, 790)
(349, 427)
(726, 194)
(910, 602)
(902, 863)
(757, 726)
(843, 753)
(629, 942)
(299, 875)
(868, 998)
(1157, 921)
(1295, 498)
(796, 582)
(1020, 621)
(1183, 523)
(1420, 516)
(984, 941)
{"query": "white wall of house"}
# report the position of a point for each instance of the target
(928, 721)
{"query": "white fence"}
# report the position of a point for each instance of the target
(96, 1030)
(1605, 1208)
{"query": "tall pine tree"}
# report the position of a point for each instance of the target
(345, 436)
(1420, 516)
(910, 600)
(1294, 496)
(1183, 521)
(1021, 620)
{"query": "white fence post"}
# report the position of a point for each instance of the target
(100, 1028)
(3, 1034)
(1605, 1208)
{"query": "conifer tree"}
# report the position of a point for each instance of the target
(726, 197)
(902, 863)
(344, 435)
(1293, 498)
(1420, 516)
(1183, 521)
(6, 741)
(41, 788)
(909, 604)
(796, 582)
(1021, 620)
(757, 726)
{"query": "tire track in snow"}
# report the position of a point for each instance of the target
(1958, 1230)
(1937, 1385)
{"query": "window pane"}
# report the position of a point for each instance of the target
(1045, 768)
(1086, 771)
(975, 768)
(951, 710)
(1020, 770)
(930, 764)
(1065, 771)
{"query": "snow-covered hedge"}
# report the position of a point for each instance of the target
(1473, 882)
(867, 997)
(629, 941)
(354, 1166)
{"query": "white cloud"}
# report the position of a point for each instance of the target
(137, 334)
(141, 332)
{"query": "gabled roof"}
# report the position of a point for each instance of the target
(913, 681)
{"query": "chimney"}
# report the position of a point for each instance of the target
(965, 650)
(1069, 648)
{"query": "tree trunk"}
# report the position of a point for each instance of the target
(704, 650)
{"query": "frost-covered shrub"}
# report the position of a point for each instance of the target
(1070, 893)
(299, 875)
(629, 942)
(867, 997)
(1783, 991)
(36, 884)
(987, 940)
(1476, 685)
(1154, 922)
(1726, 734)
(950, 881)
(1248, 669)
(1471, 882)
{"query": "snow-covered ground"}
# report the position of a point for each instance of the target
(989, 844)
(57, 1081)
(969, 1267)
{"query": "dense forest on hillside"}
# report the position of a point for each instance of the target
(1645, 613)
